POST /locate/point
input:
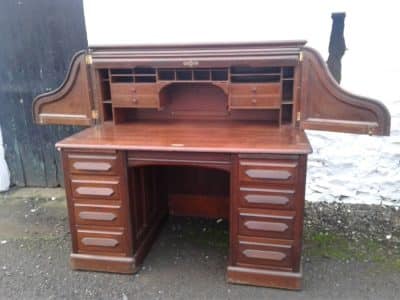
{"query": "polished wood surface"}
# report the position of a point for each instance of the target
(307, 97)
(226, 137)
(340, 111)
(214, 131)
(71, 103)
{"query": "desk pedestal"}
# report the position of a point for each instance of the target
(117, 201)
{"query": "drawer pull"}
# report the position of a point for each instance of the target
(97, 216)
(254, 101)
(135, 100)
(269, 174)
(263, 199)
(263, 254)
(100, 242)
(92, 166)
(266, 226)
(95, 191)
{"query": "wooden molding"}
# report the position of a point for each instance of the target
(99, 242)
(266, 226)
(269, 174)
(264, 254)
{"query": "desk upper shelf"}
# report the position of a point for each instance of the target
(283, 82)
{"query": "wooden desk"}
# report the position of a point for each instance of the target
(199, 130)
(112, 174)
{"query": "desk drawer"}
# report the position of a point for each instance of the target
(93, 163)
(106, 215)
(267, 198)
(94, 187)
(265, 253)
(255, 89)
(268, 171)
(122, 90)
(255, 101)
(266, 223)
(134, 95)
(101, 241)
(137, 101)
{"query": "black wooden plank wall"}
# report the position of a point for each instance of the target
(37, 41)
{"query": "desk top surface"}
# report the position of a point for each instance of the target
(193, 136)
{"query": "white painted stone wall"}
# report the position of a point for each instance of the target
(4, 173)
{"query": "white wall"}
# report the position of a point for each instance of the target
(355, 168)
(4, 173)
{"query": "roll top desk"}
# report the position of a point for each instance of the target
(213, 130)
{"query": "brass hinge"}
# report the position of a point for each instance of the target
(88, 59)
(301, 56)
(298, 116)
(95, 114)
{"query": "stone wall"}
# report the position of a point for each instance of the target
(356, 169)
(4, 172)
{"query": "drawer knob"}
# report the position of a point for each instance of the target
(254, 89)
(135, 100)
(134, 90)
(254, 101)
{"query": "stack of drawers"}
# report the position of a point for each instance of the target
(139, 95)
(267, 208)
(98, 214)
(253, 96)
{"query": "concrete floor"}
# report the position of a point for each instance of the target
(187, 261)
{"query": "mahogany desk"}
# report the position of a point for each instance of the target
(198, 130)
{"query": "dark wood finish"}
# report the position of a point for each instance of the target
(317, 102)
(326, 106)
(277, 198)
(210, 130)
(208, 137)
(71, 103)
(266, 223)
(265, 253)
(268, 171)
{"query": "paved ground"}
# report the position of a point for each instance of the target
(186, 262)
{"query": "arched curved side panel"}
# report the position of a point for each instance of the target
(324, 105)
(70, 103)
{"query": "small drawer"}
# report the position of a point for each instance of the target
(106, 215)
(266, 223)
(99, 241)
(268, 253)
(255, 101)
(119, 90)
(268, 171)
(95, 187)
(255, 89)
(92, 163)
(137, 101)
(266, 198)
(134, 95)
